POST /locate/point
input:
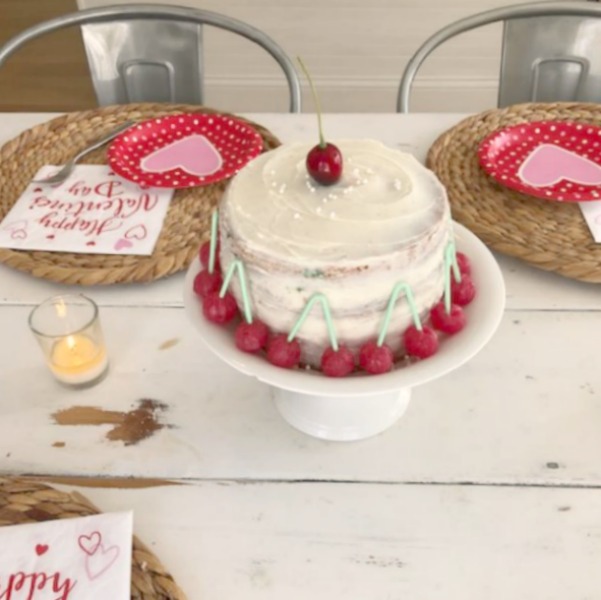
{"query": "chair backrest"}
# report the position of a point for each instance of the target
(549, 53)
(151, 52)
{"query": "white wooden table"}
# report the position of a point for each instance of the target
(487, 488)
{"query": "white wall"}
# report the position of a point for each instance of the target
(356, 51)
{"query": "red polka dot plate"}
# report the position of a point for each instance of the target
(185, 150)
(555, 160)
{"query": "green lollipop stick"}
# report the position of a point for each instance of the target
(317, 297)
(450, 262)
(238, 266)
(398, 288)
(213, 244)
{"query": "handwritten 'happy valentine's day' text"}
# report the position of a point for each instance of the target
(22, 586)
(67, 214)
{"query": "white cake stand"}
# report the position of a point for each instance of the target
(362, 405)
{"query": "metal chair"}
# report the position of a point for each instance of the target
(151, 52)
(550, 52)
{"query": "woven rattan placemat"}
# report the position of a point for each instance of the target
(23, 501)
(186, 225)
(549, 235)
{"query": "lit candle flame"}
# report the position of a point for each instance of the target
(61, 308)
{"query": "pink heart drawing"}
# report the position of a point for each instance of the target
(18, 234)
(100, 562)
(548, 164)
(90, 543)
(122, 244)
(194, 154)
(137, 232)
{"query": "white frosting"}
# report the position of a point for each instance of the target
(386, 221)
(385, 197)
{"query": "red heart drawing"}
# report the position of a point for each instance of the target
(41, 549)
(90, 543)
(137, 232)
(100, 562)
(194, 154)
(122, 244)
(548, 164)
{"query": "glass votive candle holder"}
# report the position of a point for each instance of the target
(69, 333)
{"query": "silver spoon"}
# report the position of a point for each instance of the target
(67, 169)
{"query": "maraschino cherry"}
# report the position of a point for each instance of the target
(251, 337)
(206, 283)
(464, 291)
(447, 322)
(375, 359)
(219, 310)
(420, 343)
(324, 161)
(337, 363)
(282, 353)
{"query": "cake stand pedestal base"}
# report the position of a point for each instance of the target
(341, 418)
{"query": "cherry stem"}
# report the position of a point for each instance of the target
(322, 142)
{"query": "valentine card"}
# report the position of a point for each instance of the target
(591, 212)
(93, 212)
(87, 558)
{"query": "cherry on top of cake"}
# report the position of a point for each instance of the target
(324, 161)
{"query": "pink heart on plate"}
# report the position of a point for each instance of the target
(548, 164)
(194, 154)
(121, 244)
